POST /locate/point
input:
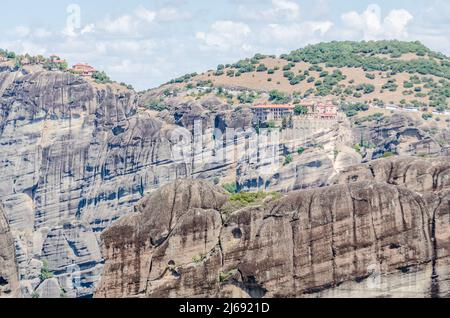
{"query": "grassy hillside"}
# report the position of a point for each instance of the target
(384, 72)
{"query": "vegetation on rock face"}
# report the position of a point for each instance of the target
(278, 97)
(230, 187)
(288, 159)
(49, 65)
(374, 117)
(300, 110)
(427, 116)
(128, 86)
(45, 272)
(157, 105)
(246, 98)
(246, 198)
(184, 78)
(224, 276)
(199, 258)
(351, 109)
(7, 54)
(101, 77)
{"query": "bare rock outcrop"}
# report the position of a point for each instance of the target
(174, 224)
(76, 156)
(368, 238)
(9, 279)
(417, 174)
(400, 134)
(310, 170)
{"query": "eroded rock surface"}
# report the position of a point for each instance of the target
(401, 134)
(417, 174)
(173, 225)
(76, 156)
(9, 279)
(368, 237)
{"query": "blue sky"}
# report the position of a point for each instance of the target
(146, 43)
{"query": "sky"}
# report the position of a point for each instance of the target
(147, 43)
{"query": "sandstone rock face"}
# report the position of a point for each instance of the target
(9, 280)
(311, 145)
(312, 169)
(399, 134)
(417, 174)
(55, 133)
(149, 245)
(76, 156)
(368, 238)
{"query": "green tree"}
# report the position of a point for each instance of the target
(101, 77)
(230, 187)
(288, 159)
(45, 272)
(278, 97)
(300, 150)
(261, 68)
(300, 110)
(157, 105)
(427, 116)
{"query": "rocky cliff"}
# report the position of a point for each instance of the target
(55, 133)
(9, 280)
(76, 155)
(402, 134)
(364, 236)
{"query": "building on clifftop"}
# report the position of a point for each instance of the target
(265, 113)
(315, 109)
(83, 69)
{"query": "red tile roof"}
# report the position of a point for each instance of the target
(273, 106)
(83, 68)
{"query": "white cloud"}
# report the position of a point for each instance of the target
(280, 10)
(69, 31)
(130, 46)
(42, 33)
(226, 35)
(24, 47)
(309, 31)
(370, 26)
(90, 28)
(134, 23)
(146, 15)
(290, 8)
(156, 67)
(125, 24)
(22, 31)
(438, 13)
(26, 32)
(170, 14)
(127, 47)
(396, 22)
